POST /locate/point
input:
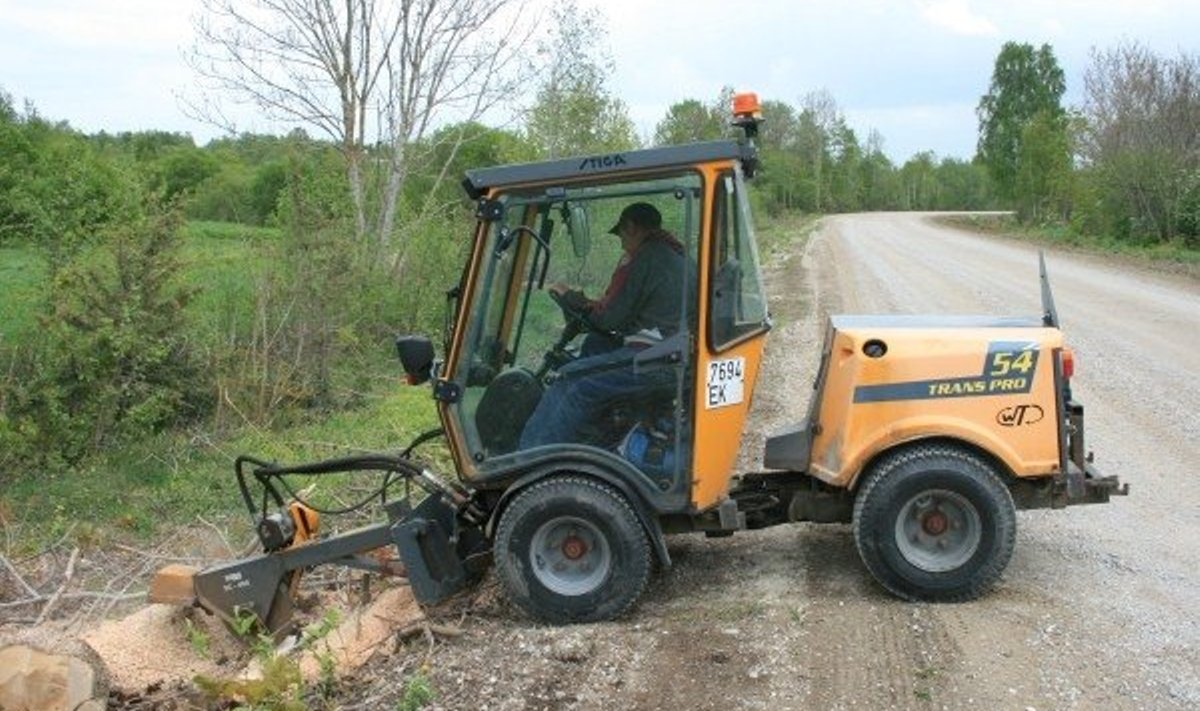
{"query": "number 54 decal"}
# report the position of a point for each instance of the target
(1003, 363)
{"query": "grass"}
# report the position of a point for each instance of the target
(222, 262)
(1171, 256)
(785, 232)
(169, 480)
(141, 490)
(22, 273)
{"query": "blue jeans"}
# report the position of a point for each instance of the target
(578, 396)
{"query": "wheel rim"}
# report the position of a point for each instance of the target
(570, 556)
(938, 530)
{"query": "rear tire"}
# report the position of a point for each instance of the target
(935, 522)
(571, 549)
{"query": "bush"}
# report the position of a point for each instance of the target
(112, 362)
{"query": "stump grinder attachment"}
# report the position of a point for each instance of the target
(439, 541)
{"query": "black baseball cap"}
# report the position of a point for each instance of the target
(642, 214)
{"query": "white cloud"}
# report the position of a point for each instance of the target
(956, 16)
(138, 25)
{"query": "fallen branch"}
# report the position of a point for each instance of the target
(216, 529)
(70, 573)
(113, 597)
(17, 576)
(156, 556)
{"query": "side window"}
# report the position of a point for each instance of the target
(737, 306)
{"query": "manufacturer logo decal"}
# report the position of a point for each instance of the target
(601, 162)
(1018, 415)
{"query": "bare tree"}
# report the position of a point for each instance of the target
(373, 76)
(1142, 133)
(818, 115)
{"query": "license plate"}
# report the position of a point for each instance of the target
(726, 383)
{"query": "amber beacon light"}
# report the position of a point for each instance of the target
(746, 105)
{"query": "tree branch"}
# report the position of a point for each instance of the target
(67, 575)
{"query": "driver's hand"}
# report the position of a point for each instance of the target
(575, 299)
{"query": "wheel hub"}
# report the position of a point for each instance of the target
(570, 555)
(934, 523)
(938, 530)
(574, 548)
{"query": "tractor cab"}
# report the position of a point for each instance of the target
(534, 372)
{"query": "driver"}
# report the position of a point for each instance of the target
(644, 291)
(642, 304)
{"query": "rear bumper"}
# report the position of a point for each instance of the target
(1081, 482)
(1077, 480)
(1085, 485)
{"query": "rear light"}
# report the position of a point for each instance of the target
(1068, 363)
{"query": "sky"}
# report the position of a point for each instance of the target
(911, 69)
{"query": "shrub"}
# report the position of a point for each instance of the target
(112, 361)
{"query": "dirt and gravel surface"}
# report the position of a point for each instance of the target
(1100, 607)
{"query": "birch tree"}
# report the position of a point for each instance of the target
(574, 112)
(374, 77)
(1025, 82)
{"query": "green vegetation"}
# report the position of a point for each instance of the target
(280, 686)
(418, 692)
(1121, 171)
(1176, 256)
(172, 478)
(199, 640)
(1025, 95)
(22, 279)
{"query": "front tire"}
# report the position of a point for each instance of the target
(571, 549)
(935, 522)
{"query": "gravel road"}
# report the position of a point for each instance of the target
(1100, 607)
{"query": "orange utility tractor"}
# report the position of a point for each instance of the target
(585, 430)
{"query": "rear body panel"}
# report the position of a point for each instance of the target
(889, 380)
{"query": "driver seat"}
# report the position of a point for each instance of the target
(505, 407)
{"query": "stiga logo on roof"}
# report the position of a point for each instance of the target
(615, 160)
(1008, 368)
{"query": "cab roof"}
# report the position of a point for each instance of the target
(480, 180)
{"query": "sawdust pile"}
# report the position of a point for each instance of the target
(152, 646)
(162, 645)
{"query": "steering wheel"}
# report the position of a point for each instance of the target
(577, 320)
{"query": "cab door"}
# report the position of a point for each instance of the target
(733, 332)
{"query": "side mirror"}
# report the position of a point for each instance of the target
(578, 227)
(416, 356)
